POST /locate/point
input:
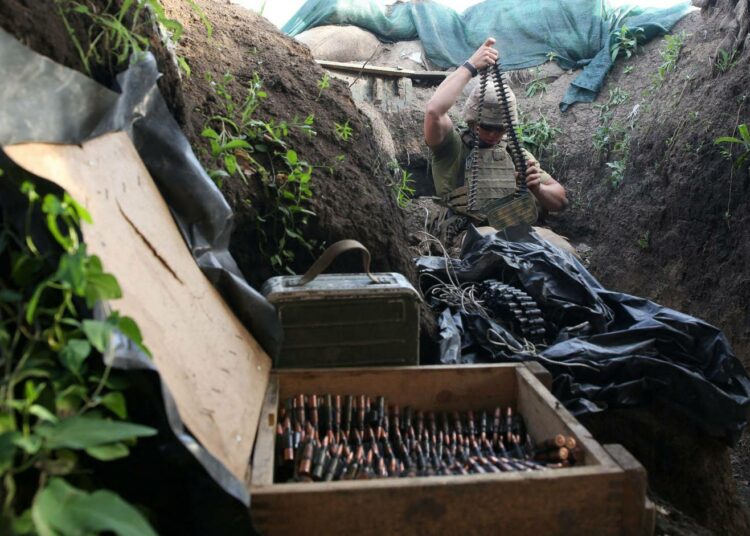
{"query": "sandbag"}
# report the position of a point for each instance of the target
(340, 43)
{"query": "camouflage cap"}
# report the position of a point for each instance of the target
(492, 110)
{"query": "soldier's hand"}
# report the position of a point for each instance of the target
(533, 175)
(484, 55)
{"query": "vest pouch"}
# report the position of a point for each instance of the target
(512, 210)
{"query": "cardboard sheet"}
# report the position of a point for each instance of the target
(215, 370)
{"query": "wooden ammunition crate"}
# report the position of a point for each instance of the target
(605, 495)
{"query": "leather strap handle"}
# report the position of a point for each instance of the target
(333, 251)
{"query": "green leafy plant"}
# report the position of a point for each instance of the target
(726, 60)
(61, 407)
(617, 171)
(323, 84)
(402, 184)
(343, 130)
(537, 135)
(644, 241)
(117, 32)
(669, 55)
(728, 143)
(244, 146)
(625, 42)
(538, 85)
(628, 69)
(552, 55)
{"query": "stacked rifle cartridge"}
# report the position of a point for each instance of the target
(333, 437)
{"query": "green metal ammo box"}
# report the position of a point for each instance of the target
(345, 320)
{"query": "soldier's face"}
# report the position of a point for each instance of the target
(490, 134)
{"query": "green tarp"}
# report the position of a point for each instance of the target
(575, 32)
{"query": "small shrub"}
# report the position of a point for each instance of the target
(538, 135)
(725, 60)
(728, 143)
(343, 131)
(625, 42)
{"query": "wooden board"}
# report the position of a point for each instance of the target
(215, 370)
(598, 498)
(364, 68)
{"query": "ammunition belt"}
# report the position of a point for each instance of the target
(515, 309)
(319, 438)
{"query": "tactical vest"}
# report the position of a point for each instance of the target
(495, 179)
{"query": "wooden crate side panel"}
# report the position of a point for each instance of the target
(427, 388)
(585, 501)
(262, 468)
(638, 517)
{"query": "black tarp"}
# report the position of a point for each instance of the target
(605, 349)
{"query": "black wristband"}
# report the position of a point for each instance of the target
(470, 68)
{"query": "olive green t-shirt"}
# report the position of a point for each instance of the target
(448, 163)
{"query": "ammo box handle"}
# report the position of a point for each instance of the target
(333, 251)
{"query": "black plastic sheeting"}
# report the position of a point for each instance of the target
(42, 101)
(607, 349)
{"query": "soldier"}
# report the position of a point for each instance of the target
(451, 148)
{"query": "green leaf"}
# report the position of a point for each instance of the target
(30, 444)
(74, 353)
(210, 133)
(81, 432)
(80, 211)
(184, 65)
(291, 156)
(230, 161)
(71, 270)
(115, 402)
(98, 333)
(101, 286)
(7, 449)
(106, 453)
(31, 307)
(42, 413)
(727, 139)
(744, 132)
(23, 524)
(130, 329)
(236, 144)
(31, 392)
(10, 296)
(60, 508)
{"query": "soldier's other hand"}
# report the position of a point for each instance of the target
(485, 55)
(533, 175)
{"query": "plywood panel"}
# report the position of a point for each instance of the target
(215, 370)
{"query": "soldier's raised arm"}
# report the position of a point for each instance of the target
(437, 124)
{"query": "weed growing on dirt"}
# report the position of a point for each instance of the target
(117, 30)
(627, 70)
(644, 241)
(726, 60)
(62, 409)
(729, 143)
(625, 42)
(402, 184)
(538, 85)
(343, 130)
(669, 54)
(617, 171)
(323, 83)
(245, 147)
(537, 135)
